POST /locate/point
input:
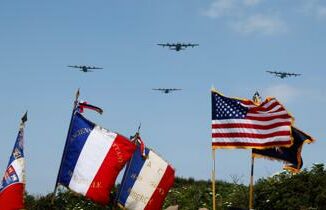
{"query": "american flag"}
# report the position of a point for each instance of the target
(240, 123)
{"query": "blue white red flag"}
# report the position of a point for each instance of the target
(146, 181)
(93, 159)
(13, 182)
(241, 123)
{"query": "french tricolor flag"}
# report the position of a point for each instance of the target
(13, 183)
(146, 182)
(92, 159)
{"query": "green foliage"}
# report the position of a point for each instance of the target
(285, 191)
(192, 195)
(63, 201)
(305, 190)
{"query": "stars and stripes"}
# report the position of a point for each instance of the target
(240, 123)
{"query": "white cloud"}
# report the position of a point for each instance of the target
(321, 12)
(259, 23)
(229, 8)
(314, 8)
(240, 15)
(283, 93)
(220, 8)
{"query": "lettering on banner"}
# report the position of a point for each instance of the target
(118, 152)
(97, 185)
(79, 180)
(160, 171)
(138, 197)
(80, 132)
(134, 176)
(149, 164)
(161, 190)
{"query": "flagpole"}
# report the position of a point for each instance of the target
(213, 180)
(66, 143)
(257, 99)
(251, 190)
(21, 128)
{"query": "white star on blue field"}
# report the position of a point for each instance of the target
(239, 40)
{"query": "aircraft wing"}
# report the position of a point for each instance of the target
(275, 72)
(93, 67)
(166, 45)
(190, 45)
(193, 45)
(74, 66)
(294, 74)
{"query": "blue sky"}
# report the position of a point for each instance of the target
(239, 40)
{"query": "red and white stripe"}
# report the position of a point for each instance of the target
(100, 161)
(265, 125)
(152, 185)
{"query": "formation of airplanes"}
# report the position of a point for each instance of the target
(178, 46)
(85, 68)
(282, 75)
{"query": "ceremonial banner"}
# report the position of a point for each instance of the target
(93, 159)
(146, 181)
(240, 123)
(12, 184)
(290, 155)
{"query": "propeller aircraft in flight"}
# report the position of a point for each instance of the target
(85, 68)
(178, 46)
(166, 90)
(282, 75)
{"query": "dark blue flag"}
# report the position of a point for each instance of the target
(291, 155)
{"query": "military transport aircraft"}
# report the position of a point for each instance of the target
(178, 46)
(282, 75)
(85, 68)
(166, 90)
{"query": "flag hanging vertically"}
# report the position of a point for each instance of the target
(93, 159)
(146, 181)
(13, 182)
(291, 155)
(241, 123)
